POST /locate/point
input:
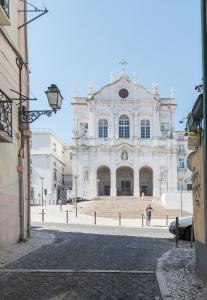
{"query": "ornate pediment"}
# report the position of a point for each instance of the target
(122, 89)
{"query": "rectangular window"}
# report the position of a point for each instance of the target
(147, 132)
(103, 132)
(145, 129)
(124, 132)
(63, 179)
(164, 128)
(55, 174)
(181, 163)
(54, 147)
(142, 132)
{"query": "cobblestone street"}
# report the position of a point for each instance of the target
(94, 263)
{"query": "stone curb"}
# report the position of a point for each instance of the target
(165, 293)
(19, 250)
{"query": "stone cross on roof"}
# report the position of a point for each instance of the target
(123, 62)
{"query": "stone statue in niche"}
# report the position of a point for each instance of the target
(124, 155)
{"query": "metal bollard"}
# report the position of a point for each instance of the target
(67, 216)
(166, 220)
(142, 220)
(95, 218)
(119, 219)
(192, 235)
(176, 232)
(43, 215)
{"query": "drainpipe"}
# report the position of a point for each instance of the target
(19, 63)
(21, 190)
(204, 60)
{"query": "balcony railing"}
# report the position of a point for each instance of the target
(181, 152)
(5, 118)
(5, 5)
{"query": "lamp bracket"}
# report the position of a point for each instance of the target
(25, 98)
(33, 10)
(29, 116)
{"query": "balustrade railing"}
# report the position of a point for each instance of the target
(5, 114)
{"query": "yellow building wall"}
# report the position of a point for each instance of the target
(198, 195)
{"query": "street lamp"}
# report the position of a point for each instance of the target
(55, 101)
(42, 178)
(76, 188)
(180, 178)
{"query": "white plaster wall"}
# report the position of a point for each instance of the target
(173, 201)
(45, 158)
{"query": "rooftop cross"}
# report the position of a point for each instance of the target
(123, 62)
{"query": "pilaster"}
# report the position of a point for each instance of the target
(113, 182)
(136, 183)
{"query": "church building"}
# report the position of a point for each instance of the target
(125, 143)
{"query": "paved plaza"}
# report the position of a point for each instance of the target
(88, 262)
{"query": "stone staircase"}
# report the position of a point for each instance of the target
(120, 198)
(128, 207)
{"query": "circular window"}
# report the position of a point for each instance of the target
(123, 93)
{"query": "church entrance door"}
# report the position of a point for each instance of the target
(146, 181)
(125, 181)
(103, 181)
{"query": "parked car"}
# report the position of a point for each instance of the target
(184, 227)
(72, 200)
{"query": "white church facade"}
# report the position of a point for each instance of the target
(125, 143)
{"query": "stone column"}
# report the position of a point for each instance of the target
(131, 126)
(155, 182)
(136, 182)
(135, 125)
(116, 125)
(93, 183)
(113, 182)
(111, 126)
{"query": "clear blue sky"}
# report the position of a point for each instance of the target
(83, 40)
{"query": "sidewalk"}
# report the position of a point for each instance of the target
(177, 276)
(37, 240)
(53, 214)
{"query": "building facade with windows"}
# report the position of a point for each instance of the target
(14, 142)
(125, 142)
(49, 168)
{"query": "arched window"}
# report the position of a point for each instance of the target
(103, 128)
(124, 131)
(145, 129)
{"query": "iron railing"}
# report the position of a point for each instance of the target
(5, 114)
(181, 152)
(5, 5)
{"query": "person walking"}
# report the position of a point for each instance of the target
(150, 209)
(148, 214)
